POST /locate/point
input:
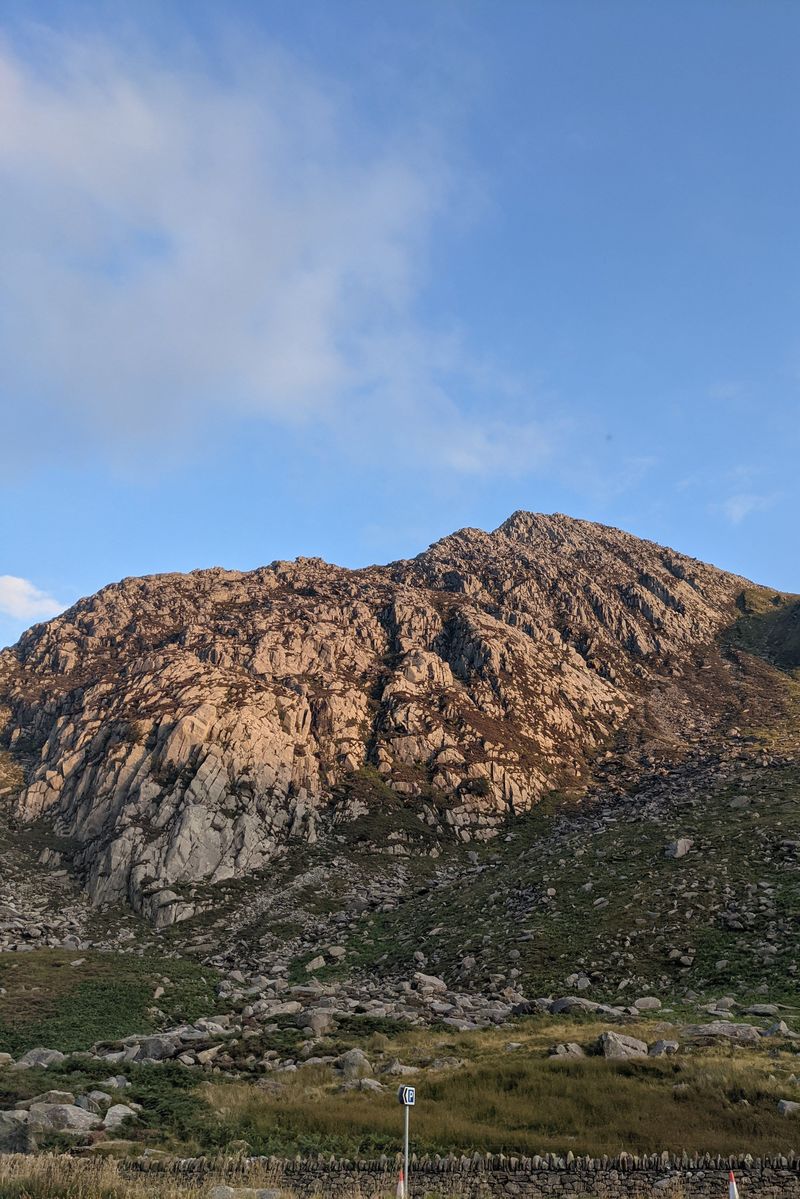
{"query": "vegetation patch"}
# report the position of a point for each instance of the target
(511, 1101)
(68, 1000)
(769, 626)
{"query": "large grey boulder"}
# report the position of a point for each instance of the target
(397, 1069)
(95, 1101)
(40, 1057)
(370, 1085)
(353, 1064)
(318, 1020)
(116, 1114)
(429, 982)
(14, 1136)
(616, 1046)
(788, 1107)
(61, 1117)
(780, 1029)
(277, 1007)
(158, 1048)
(567, 1049)
(679, 848)
(647, 1003)
(573, 1003)
(743, 1034)
(663, 1049)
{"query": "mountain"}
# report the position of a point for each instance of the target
(180, 732)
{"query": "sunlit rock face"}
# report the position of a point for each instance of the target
(182, 729)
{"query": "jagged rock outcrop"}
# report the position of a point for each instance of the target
(183, 728)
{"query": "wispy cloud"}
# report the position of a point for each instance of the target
(181, 249)
(728, 390)
(22, 600)
(738, 507)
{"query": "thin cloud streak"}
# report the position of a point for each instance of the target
(738, 507)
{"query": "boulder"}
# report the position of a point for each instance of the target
(647, 1003)
(788, 1107)
(679, 848)
(353, 1064)
(40, 1057)
(318, 1020)
(14, 1136)
(780, 1029)
(95, 1101)
(158, 1048)
(206, 1056)
(663, 1049)
(743, 1034)
(532, 1007)
(118, 1113)
(396, 1068)
(429, 982)
(5, 1059)
(369, 1084)
(61, 1117)
(617, 1046)
(573, 1003)
(277, 1007)
(570, 1049)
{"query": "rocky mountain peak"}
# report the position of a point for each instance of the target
(181, 730)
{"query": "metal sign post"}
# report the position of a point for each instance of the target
(408, 1097)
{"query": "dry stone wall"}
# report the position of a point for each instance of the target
(549, 1176)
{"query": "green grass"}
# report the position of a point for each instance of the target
(50, 1002)
(717, 1100)
(769, 626)
(653, 903)
(518, 1101)
(387, 812)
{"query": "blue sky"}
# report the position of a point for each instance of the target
(338, 278)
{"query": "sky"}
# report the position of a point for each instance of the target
(338, 278)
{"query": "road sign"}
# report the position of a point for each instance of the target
(408, 1097)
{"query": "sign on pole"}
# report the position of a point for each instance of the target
(408, 1097)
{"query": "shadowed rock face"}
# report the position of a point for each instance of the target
(183, 728)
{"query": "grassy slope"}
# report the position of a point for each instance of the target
(501, 1100)
(52, 1000)
(653, 903)
(518, 1102)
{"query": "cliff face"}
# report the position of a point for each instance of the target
(181, 729)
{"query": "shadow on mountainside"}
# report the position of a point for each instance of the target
(769, 626)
